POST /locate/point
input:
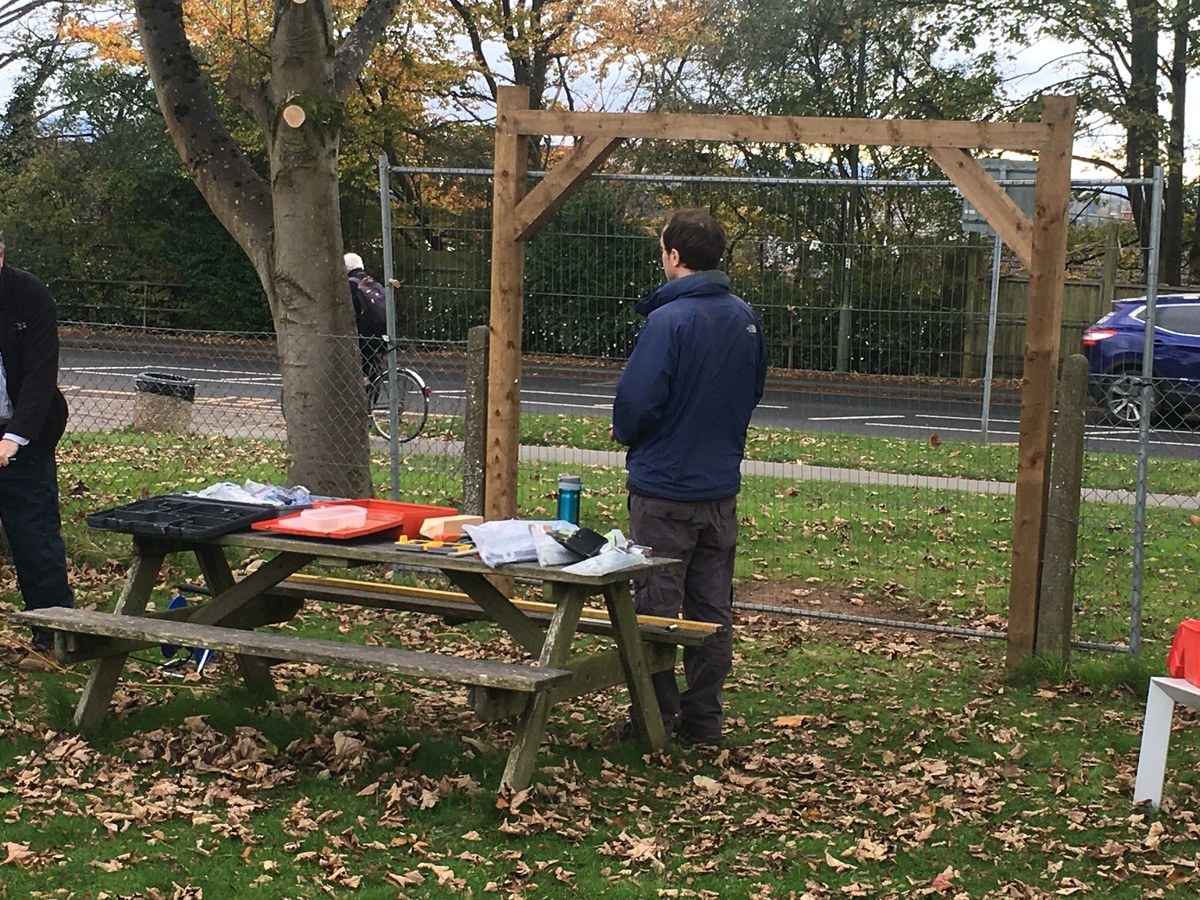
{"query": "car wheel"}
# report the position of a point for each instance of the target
(1122, 398)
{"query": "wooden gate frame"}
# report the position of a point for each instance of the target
(1041, 245)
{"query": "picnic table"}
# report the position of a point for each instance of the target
(557, 668)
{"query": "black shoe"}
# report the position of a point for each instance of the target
(43, 641)
(686, 738)
(622, 732)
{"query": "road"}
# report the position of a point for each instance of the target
(249, 382)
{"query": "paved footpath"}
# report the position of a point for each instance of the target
(798, 472)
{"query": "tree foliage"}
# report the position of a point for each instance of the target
(1134, 59)
(94, 199)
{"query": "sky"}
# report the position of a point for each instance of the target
(1031, 69)
(1038, 66)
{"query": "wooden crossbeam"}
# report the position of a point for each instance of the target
(1016, 136)
(999, 209)
(558, 185)
(685, 632)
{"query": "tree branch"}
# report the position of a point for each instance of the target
(476, 39)
(236, 193)
(250, 98)
(13, 11)
(360, 43)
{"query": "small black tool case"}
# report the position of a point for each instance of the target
(178, 515)
(582, 541)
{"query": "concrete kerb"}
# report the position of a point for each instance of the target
(1007, 391)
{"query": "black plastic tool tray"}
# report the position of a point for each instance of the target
(175, 515)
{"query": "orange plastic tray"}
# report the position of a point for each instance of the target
(382, 515)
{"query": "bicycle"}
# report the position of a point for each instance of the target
(412, 396)
(412, 399)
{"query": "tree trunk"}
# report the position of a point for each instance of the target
(1142, 125)
(289, 227)
(1172, 225)
(314, 320)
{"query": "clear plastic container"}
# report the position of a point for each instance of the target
(334, 518)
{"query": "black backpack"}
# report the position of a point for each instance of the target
(370, 305)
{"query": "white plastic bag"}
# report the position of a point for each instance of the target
(253, 492)
(226, 491)
(506, 541)
(549, 551)
(610, 559)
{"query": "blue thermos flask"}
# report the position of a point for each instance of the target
(569, 488)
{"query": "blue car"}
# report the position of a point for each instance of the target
(1113, 347)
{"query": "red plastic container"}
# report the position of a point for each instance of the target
(392, 516)
(1184, 659)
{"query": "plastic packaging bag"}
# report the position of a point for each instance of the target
(227, 491)
(610, 559)
(277, 495)
(253, 492)
(507, 540)
(549, 551)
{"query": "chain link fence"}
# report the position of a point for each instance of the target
(152, 387)
(868, 303)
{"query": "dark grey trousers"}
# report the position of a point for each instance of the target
(29, 511)
(704, 535)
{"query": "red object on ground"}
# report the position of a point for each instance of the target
(1184, 659)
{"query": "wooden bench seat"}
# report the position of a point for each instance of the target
(72, 628)
(456, 606)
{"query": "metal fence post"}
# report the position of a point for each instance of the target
(385, 217)
(1139, 509)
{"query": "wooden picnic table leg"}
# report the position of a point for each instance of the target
(643, 700)
(102, 681)
(488, 597)
(560, 635)
(229, 595)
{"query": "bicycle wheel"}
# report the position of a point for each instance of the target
(412, 404)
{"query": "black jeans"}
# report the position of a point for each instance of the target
(704, 535)
(29, 512)
(371, 348)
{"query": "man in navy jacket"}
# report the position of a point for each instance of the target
(33, 415)
(682, 407)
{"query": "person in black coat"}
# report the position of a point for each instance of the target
(33, 416)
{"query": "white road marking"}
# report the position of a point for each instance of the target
(974, 419)
(219, 376)
(925, 429)
(850, 418)
(527, 393)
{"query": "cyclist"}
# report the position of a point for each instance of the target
(370, 312)
(411, 403)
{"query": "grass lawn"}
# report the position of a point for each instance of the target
(859, 761)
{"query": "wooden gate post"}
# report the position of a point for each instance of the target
(1043, 328)
(1057, 598)
(508, 282)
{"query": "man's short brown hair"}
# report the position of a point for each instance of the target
(698, 238)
